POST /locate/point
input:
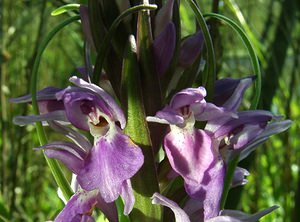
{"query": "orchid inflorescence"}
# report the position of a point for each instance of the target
(150, 136)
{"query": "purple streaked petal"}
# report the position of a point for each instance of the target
(69, 153)
(208, 111)
(246, 117)
(229, 92)
(190, 49)
(113, 160)
(25, 120)
(271, 129)
(210, 190)
(163, 17)
(190, 153)
(163, 48)
(243, 217)
(248, 134)
(180, 215)
(239, 177)
(111, 104)
(72, 148)
(81, 204)
(187, 97)
(128, 197)
(76, 137)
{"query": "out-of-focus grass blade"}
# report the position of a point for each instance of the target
(64, 9)
(4, 215)
(233, 6)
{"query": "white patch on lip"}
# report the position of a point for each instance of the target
(99, 124)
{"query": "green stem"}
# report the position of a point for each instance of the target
(253, 56)
(120, 209)
(210, 75)
(228, 178)
(106, 42)
(57, 173)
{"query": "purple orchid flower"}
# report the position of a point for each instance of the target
(195, 154)
(108, 165)
(192, 152)
(188, 214)
(243, 134)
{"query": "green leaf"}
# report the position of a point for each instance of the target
(252, 54)
(145, 181)
(64, 9)
(120, 209)
(56, 171)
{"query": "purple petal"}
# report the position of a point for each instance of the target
(76, 137)
(163, 17)
(113, 160)
(224, 127)
(171, 116)
(180, 215)
(128, 197)
(69, 153)
(271, 129)
(229, 92)
(190, 153)
(190, 49)
(163, 48)
(46, 100)
(240, 216)
(47, 93)
(208, 111)
(25, 120)
(79, 206)
(248, 134)
(210, 190)
(239, 177)
(111, 104)
(187, 97)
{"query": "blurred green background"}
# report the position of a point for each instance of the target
(27, 189)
